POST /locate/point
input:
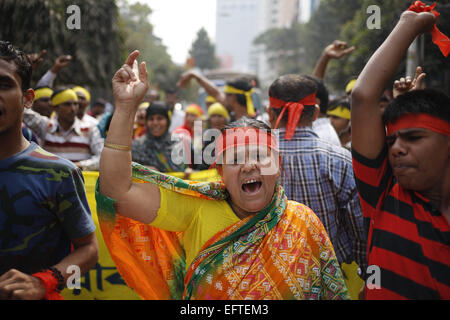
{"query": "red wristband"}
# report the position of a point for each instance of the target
(50, 283)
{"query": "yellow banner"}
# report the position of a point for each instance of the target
(103, 282)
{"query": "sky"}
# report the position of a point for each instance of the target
(177, 22)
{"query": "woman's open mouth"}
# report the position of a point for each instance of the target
(251, 186)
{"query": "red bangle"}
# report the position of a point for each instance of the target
(50, 283)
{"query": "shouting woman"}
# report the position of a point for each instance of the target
(236, 239)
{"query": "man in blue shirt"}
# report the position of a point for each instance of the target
(314, 171)
(43, 206)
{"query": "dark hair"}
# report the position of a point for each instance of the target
(100, 102)
(293, 88)
(42, 87)
(244, 84)
(20, 59)
(246, 122)
(322, 93)
(171, 91)
(429, 101)
(158, 107)
(340, 102)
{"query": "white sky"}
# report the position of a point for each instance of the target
(177, 22)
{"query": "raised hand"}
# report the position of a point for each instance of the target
(37, 58)
(130, 83)
(338, 49)
(60, 63)
(419, 22)
(407, 84)
(185, 78)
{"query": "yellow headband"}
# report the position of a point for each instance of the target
(218, 109)
(210, 99)
(248, 95)
(350, 86)
(82, 90)
(42, 93)
(64, 96)
(144, 105)
(341, 112)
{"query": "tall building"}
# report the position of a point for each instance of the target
(237, 27)
(240, 22)
(273, 14)
(306, 9)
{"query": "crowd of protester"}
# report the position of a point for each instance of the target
(363, 177)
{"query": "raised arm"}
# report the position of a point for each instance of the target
(336, 50)
(137, 201)
(209, 87)
(49, 78)
(368, 131)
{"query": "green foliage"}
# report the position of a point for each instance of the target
(297, 49)
(324, 27)
(203, 51)
(97, 50)
(285, 55)
(139, 35)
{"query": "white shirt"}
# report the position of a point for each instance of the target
(89, 121)
(323, 128)
(177, 119)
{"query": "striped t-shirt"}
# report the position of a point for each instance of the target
(408, 238)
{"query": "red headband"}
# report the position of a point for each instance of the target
(233, 138)
(440, 39)
(295, 112)
(422, 121)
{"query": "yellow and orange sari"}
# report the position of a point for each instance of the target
(281, 253)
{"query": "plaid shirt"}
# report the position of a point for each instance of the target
(320, 175)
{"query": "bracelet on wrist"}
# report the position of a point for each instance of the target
(117, 147)
(53, 282)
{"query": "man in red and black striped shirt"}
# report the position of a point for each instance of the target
(402, 168)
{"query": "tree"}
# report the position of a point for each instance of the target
(135, 21)
(283, 48)
(297, 49)
(203, 52)
(367, 42)
(96, 48)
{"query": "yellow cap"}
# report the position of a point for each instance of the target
(195, 109)
(82, 90)
(218, 109)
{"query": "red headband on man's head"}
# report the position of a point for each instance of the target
(295, 112)
(419, 121)
(236, 137)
